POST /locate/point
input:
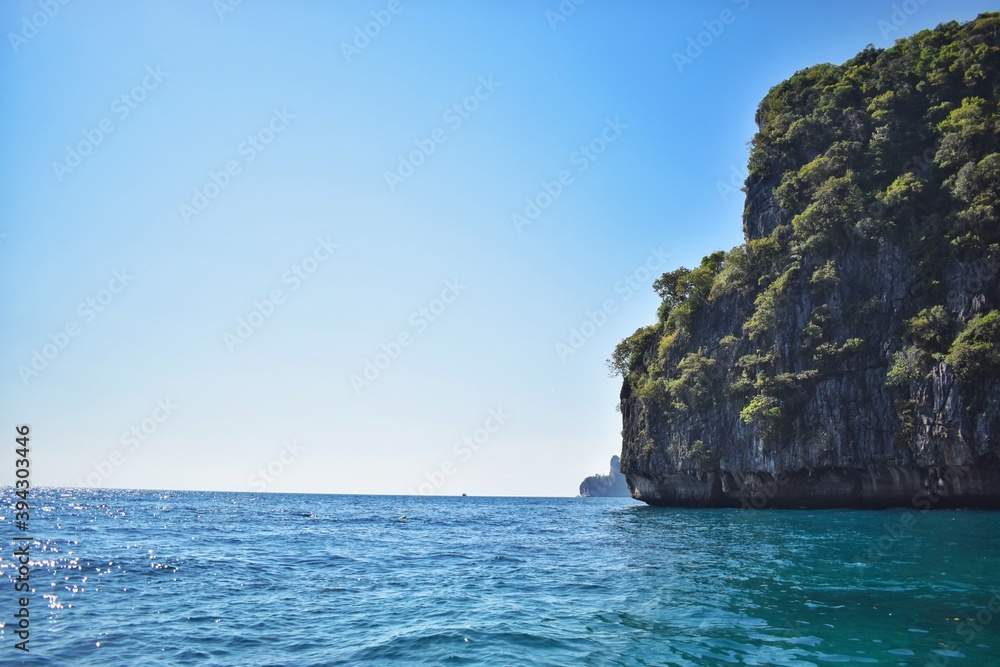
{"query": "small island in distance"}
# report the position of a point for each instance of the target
(612, 485)
(847, 354)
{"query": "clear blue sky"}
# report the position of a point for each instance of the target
(116, 115)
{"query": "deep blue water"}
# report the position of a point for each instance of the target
(170, 578)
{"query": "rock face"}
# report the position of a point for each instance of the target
(612, 485)
(848, 353)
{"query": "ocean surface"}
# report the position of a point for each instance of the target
(183, 578)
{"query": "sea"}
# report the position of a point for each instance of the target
(143, 578)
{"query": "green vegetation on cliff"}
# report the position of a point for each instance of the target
(867, 283)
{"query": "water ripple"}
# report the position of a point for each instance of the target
(157, 578)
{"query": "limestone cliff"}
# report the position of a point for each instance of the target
(612, 485)
(847, 354)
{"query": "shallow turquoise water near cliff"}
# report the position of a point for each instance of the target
(169, 578)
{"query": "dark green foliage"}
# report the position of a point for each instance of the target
(628, 353)
(684, 291)
(929, 330)
(911, 364)
(700, 455)
(761, 407)
(929, 334)
(826, 275)
(975, 354)
(905, 120)
(892, 157)
(690, 389)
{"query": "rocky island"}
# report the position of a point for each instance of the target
(847, 353)
(612, 485)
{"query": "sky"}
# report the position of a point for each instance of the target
(366, 247)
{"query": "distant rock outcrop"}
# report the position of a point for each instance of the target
(611, 485)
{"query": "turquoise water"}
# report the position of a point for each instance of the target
(158, 578)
